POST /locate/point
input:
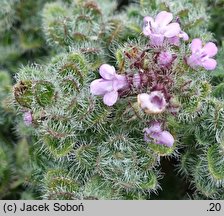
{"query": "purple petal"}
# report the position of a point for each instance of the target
(110, 98)
(165, 138)
(193, 61)
(146, 31)
(210, 49)
(148, 22)
(156, 39)
(120, 82)
(101, 86)
(152, 133)
(107, 71)
(157, 102)
(155, 127)
(163, 18)
(147, 19)
(209, 64)
(196, 45)
(156, 136)
(174, 40)
(172, 30)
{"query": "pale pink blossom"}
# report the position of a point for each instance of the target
(108, 85)
(160, 28)
(201, 56)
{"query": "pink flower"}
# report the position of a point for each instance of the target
(161, 28)
(27, 118)
(152, 103)
(201, 56)
(155, 134)
(108, 85)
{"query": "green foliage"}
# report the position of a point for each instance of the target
(15, 170)
(215, 25)
(15, 167)
(20, 42)
(82, 21)
(21, 39)
(7, 14)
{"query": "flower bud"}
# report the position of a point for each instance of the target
(27, 118)
(165, 58)
(155, 134)
(152, 103)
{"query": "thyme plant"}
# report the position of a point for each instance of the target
(122, 91)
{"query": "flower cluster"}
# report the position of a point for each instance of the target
(162, 30)
(155, 98)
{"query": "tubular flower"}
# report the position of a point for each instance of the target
(27, 118)
(160, 28)
(152, 103)
(108, 85)
(155, 134)
(201, 56)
